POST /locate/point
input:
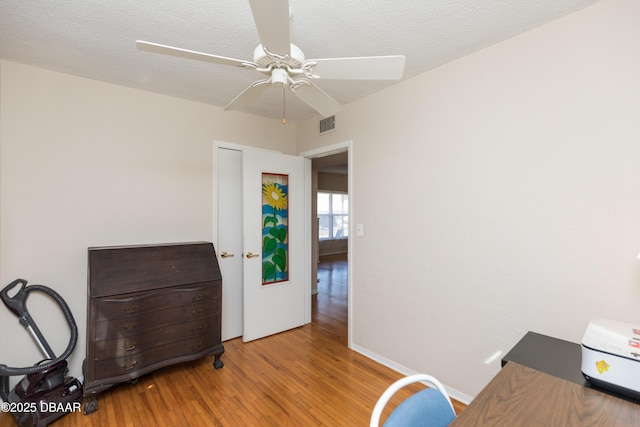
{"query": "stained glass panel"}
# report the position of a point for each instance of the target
(275, 228)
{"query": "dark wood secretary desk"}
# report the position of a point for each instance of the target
(540, 384)
(149, 306)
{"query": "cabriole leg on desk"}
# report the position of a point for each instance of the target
(91, 405)
(217, 363)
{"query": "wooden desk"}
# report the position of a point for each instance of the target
(555, 357)
(550, 355)
(522, 396)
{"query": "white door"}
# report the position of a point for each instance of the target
(229, 247)
(275, 291)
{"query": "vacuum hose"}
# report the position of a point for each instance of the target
(17, 306)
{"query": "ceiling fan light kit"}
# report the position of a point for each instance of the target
(285, 65)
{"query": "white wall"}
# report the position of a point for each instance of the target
(85, 163)
(499, 193)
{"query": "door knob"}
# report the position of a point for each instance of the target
(251, 255)
(226, 255)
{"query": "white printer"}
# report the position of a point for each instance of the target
(611, 356)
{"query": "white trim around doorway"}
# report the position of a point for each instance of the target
(326, 151)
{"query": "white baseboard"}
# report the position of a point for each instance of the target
(453, 393)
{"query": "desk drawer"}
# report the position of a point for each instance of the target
(142, 322)
(147, 357)
(110, 308)
(135, 343)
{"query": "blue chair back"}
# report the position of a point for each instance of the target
(430, 407)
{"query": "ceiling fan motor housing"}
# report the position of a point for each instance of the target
(267, 59)
(279, 77)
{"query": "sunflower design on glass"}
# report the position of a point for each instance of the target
(274, 228)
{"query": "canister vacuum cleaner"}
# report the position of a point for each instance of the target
(46, 393)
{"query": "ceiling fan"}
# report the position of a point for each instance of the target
(284, 63)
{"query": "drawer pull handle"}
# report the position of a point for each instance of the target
(197, 313)
(129, 326)
(129, 346)
(196, 329)
(130, 365)
(196, 347)
(200, 297)
(130, 309)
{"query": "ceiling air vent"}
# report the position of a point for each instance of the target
(327, 125)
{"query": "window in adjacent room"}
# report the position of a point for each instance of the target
(333, 215)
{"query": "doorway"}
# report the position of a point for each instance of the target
(334, 269)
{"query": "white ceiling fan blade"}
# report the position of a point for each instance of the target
(272, 21)
(360, 68)
(315, 97)
(191, 54)
(248, 95)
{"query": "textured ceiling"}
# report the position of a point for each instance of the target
(96, 39)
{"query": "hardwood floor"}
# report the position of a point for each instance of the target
(303, 377)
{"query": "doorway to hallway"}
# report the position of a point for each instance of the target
(329, 303)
